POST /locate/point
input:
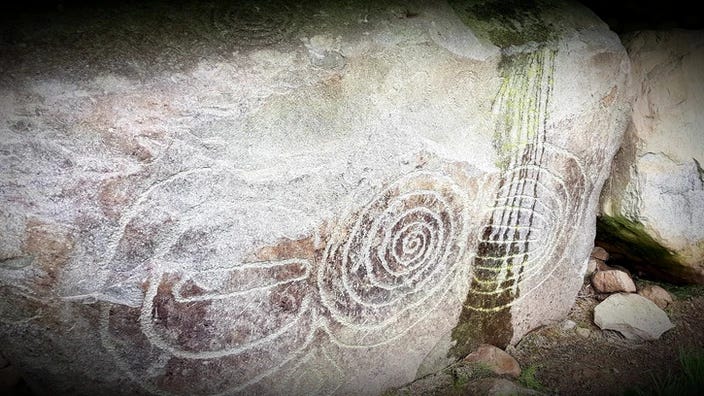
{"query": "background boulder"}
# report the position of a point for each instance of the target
(652, 205)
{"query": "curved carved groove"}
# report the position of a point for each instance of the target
(401, 249)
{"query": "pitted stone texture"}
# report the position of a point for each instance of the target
(612, 281)
(496, 360)
(267, 198)
(632, 315)
(657, 181)
(656, 294)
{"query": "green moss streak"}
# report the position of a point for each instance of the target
(520, 101)
(479, 327)
(521, 104)
(506, 22)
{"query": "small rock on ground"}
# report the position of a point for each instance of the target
(495, 359)
(656, 294)
(600, 253)
(583, 332)
(592, 266)
(568, 325)
(612, 281)
(632, 315)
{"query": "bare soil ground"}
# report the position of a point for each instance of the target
(604, 362)
(586, 360)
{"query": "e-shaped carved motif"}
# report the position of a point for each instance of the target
(248, 327)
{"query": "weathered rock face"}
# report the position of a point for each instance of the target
(652, 205)
(295, 200)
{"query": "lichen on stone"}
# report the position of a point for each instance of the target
(520, 103)
(507, 23)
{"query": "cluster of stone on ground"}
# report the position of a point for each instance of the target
(635, 315)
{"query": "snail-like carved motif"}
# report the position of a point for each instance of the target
(212, 333)
(203, 328)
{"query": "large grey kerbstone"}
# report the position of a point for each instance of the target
(279, 198)
(632, 315)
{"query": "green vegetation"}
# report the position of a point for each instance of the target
(529, 380)
(506, 22)
(463, 373)
(459, 383)
(688, 381)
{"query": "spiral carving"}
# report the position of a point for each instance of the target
(527, 232)
(251, 24)
(397, 253)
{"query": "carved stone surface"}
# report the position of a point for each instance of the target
(276, 199)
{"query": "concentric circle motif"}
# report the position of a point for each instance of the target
(400, 252)
(205, 326)
(527, 230)
(251, 23)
